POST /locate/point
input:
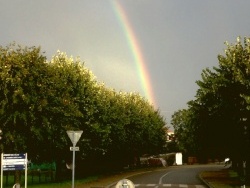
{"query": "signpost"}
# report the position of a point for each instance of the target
(14, 162)
(74, 137)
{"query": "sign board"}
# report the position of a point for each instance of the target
(14, 162)
(14, 156)
(13, 167)
(74, 149)
(74, 136)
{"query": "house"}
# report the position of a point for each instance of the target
(170, 136)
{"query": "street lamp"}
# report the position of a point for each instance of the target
(74, 137)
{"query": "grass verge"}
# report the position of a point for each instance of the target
(222, 179)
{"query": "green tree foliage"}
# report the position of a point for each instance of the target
(181, 120)
(22, 73)
(216, 119)
(42, 99)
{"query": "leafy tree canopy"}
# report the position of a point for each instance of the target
(41, 99)
(216, 119)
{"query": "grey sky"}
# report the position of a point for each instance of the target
(177, 38)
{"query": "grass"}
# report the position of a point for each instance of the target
(78, 183)
(225, 178)
(222, 179)
(63, 184)
(87, 182)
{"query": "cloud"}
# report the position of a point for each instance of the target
(119, 74)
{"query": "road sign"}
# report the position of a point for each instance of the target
(74, 149)
(74, 136)
(14, 156)
(13, 167)
(14, 161)
(11, 162)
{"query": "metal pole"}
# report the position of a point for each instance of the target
(2, 170)
(74, 137)
(73, 170)
(26, 169)
(73, 164)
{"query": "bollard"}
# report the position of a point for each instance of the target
(125, 183)
(17, 185)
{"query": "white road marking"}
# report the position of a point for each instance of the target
(181, 185)
(170, 185)
(160, 180)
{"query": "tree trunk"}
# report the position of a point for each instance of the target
(58, 175)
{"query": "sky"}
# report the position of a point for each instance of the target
(157, 48)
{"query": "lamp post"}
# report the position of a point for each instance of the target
(74, 137)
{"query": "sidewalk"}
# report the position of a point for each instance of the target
(225, 178)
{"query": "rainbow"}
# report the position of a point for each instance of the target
(135, 48)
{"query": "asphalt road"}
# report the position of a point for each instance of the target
(176, 176)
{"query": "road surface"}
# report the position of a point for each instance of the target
(175, 176)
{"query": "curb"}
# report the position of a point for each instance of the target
(204, 181)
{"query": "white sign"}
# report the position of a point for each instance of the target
(74, 136)
(74, 149)
(14, 162)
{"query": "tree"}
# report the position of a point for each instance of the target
(42, 99)
(39, 101)
(22, 71)
(188, 135)
(221, 108)
(225, 100)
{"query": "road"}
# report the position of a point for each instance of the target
(175, 176)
